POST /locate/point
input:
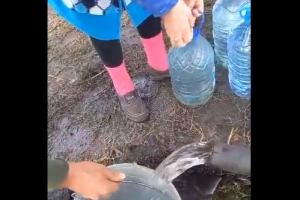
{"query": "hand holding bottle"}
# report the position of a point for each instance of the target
(197, 7)
(178, 24)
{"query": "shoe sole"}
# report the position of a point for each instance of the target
(137, 118)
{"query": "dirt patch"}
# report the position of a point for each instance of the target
(85, 121)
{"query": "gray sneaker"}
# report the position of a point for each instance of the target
(134, 107)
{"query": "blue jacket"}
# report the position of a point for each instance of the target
(157, 7)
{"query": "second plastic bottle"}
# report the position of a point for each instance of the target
(225, 16)
(239, 55)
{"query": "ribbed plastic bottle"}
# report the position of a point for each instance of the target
(225, 16)
(239, 55)
(192, 70)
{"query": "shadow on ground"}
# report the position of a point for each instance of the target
(85, 121)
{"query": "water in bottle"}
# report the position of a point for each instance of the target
(239, 55)
(192, 70)
(225, 16)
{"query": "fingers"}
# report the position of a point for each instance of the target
(112, 187)
(177, 41)
(114, 175)
(180, 40)
(198, 7)
(179, 23)
(180, 43)
(191, 3)
(184, 40)
(187, 35)
(196, 13)
(192, 19)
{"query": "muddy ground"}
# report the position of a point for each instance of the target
(85, 121)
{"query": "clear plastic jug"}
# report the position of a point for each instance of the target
(239, 55)
(192, 70)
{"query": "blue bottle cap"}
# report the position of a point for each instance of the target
(245, 13)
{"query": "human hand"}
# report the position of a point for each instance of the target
(178, 24)
(92, 180)
(197, 7)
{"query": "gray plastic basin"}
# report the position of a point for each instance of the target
(137, 186)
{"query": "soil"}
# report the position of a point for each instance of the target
(85, 121)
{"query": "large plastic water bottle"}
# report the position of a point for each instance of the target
(225, 16)
(192, 70)
(239, 55)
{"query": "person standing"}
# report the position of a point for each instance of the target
(101, 21)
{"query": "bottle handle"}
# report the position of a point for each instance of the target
(197, 29)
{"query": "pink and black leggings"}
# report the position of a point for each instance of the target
(110, 51)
